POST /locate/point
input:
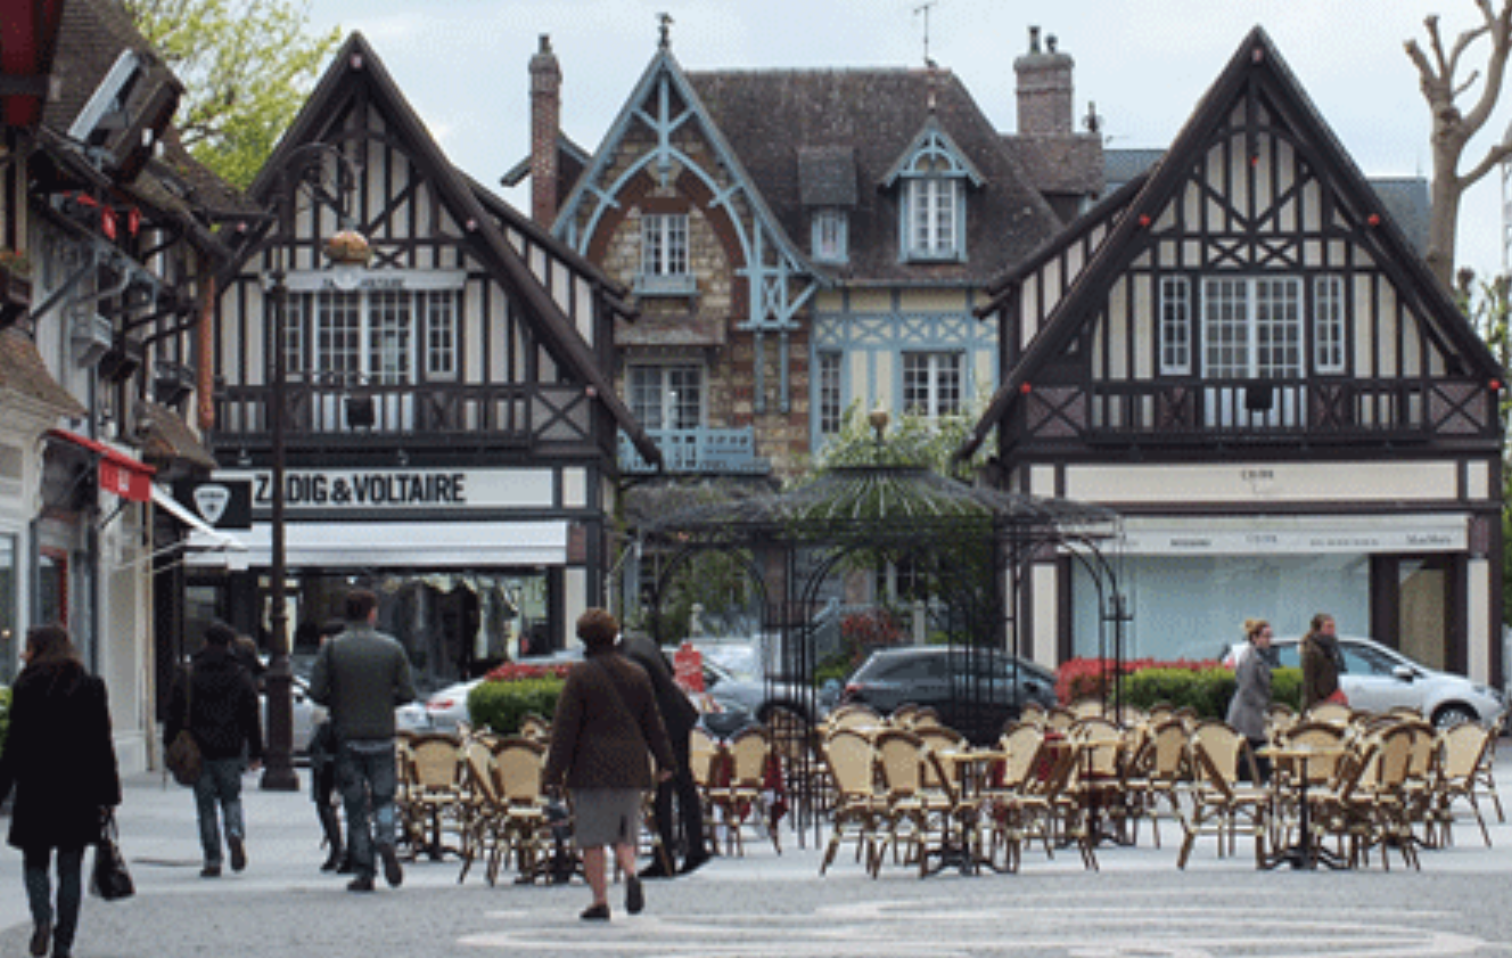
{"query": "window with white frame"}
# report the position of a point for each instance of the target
(932, 229)
(1175, 326)
(1328, 324)
(664, 244)
(932, 384)
(1252, 327)
(342, 338)
(830, 239)
(829, 399)
(667, 396)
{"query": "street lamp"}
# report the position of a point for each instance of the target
(305, 168)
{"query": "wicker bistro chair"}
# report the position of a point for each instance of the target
(1098, 779)
(742, 798)
(1159, 770)
(1462, 752)
(1365, 806)
(535, 727)
(430, 795)
(1219, 801)
(1036, 806)
(859, 808)
(1331, 712)
(925, 810)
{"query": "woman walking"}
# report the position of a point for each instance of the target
(60, 758)
(606, 723)
(1252, 689)
(1321, 663)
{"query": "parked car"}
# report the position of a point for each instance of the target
(1378, 678)
(974, 691)
(307, 714)
(733, 674)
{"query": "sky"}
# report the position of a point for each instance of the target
(1144, 63)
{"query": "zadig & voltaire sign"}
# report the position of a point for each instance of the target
(407, 489)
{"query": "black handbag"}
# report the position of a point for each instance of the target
(183, 757)
(110, 880)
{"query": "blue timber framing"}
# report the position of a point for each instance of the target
(780, 280)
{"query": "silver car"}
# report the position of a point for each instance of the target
(1377, 678)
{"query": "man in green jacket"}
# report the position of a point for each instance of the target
(361, 676)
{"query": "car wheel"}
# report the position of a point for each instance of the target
(1451, 715)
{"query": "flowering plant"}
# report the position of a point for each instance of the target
(515, 672)
(15, 262)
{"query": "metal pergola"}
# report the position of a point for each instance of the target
(979, 545)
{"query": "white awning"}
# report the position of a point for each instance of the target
(203, 537)
(439, 544)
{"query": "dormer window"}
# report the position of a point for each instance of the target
(932, 221)
(931, 178)
(664, 256)
(830, 242)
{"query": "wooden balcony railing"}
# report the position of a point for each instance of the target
(1349, 410)
(502, 415)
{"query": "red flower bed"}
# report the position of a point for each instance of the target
(1083, 678)
(514, 672)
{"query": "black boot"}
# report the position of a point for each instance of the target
(331, 823)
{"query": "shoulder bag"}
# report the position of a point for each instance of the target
(183, 756)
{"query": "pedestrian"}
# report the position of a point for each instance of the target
(361, 676)
(1321, 663)
(1252, 689)
(216, 700)
(679, 716)
(324, 749)
(605, 726)
(61, 760)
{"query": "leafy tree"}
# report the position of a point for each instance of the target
(1453, 128)
(247, 67)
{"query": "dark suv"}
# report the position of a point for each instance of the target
(975, 691)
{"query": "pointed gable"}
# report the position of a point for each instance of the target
(933, 144)
(357, 87)
(1255, 184)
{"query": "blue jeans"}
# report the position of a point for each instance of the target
(220, 782)
(34, 865)
(366, 774)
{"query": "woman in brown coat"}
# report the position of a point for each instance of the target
(1320, 663)
(60, 758)
(606, 722)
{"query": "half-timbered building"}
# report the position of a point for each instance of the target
(800, 243)
(107, 249)
(449, 415)
(1240, 351)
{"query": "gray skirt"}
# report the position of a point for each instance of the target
(606, 816)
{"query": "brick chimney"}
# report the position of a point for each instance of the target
(1044, 89)
(545, 128)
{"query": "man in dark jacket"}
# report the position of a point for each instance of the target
(216, 700)
(679, 716)
(362, 675)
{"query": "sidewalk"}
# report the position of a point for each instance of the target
(775, 904)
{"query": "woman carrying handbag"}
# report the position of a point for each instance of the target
(61, 761)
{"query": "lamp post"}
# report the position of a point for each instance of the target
(305, 166)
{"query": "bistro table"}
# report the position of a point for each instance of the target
(970, 773)
(1305, 853)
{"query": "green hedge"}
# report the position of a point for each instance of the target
(499, 706)
(1206, 690)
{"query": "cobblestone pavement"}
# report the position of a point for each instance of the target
(765, 904)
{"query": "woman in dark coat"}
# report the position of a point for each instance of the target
(605, 729)
(61, 760)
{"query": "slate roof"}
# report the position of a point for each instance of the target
(827, 176)
(770, 117)
(22, 371)
(1061, 164)
(166, 437)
